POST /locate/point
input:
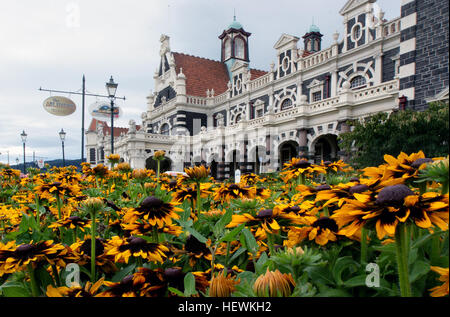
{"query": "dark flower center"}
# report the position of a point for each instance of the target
(323, 187)
(358, 188)
(326, 223)
(354, 179)
(136, 241)
(302, 164)
(293, 208)
(151, 202)
(195, 246)
(172, 272)
(393, 194)
(75, 219)
(233, 187)
(24, 249)
(86, 247)
(265, 213)
(420, 161)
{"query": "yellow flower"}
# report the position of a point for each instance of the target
(274, 284)
(442, 290)
(222, 285)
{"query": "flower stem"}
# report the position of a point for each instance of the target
(270, 243)
(34, 287)
(199, 202)
(93, 248)
(363, 245)
(402, 244)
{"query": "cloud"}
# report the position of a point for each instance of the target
(52, 43)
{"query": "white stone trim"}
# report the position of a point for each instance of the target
(408, 21)
(409, 93)
(407, 70)
(408, 46)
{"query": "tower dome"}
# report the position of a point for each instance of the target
(314, 28)
(235, 25)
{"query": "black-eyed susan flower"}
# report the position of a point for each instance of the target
(196, 174)
(222, 285)
(89, 290)
(127, 287)
(266, 221)
(122, 249)
(274, 284)
(441, 290)
(322, 230)
(82, 254)
(227, 192)
(154, 211)
(16, 258)
(72, 222)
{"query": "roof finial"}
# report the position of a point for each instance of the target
(234, 14)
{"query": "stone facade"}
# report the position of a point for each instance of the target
(231, 116)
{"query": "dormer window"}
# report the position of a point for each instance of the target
(239, 48)
(227, 49)
(165, 129)
(286, 104)
(358, 82)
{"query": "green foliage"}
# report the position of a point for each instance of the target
(403, 131)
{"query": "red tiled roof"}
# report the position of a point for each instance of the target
(107, 129)
(255, 73)
(202, 74)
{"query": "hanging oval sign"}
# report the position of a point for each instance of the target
(102, 110)
(59, 106)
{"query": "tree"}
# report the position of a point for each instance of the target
(401, 131)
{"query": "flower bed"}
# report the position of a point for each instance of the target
(310, 230)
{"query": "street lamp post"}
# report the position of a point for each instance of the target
(24, 139)
(111, 87)
(62, 136)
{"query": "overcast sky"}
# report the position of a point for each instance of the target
(52, 43)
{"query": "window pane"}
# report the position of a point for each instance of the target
(358, 81)
(227, 49)
(239, 48)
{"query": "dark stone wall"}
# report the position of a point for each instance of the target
(432, 67)
(388, 64)
(167, 92)
(190, 117)
(306, 83)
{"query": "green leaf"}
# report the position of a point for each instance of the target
(259, 269)
(252, 244)
(342, 264)
(231, 236)
(237, 254)
(123, 272)
(419, 269)
(176, 291)
(197, 234)
(189, 285)
(16, 291)
(222, 222)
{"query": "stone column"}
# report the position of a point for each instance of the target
(342, 154)
(303, 142)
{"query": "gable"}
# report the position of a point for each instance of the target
(353, 4)
(284, 40)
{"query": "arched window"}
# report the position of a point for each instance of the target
(239, 48)
(286, 104)
(227, 48)
(358, 82)
(165, 129)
